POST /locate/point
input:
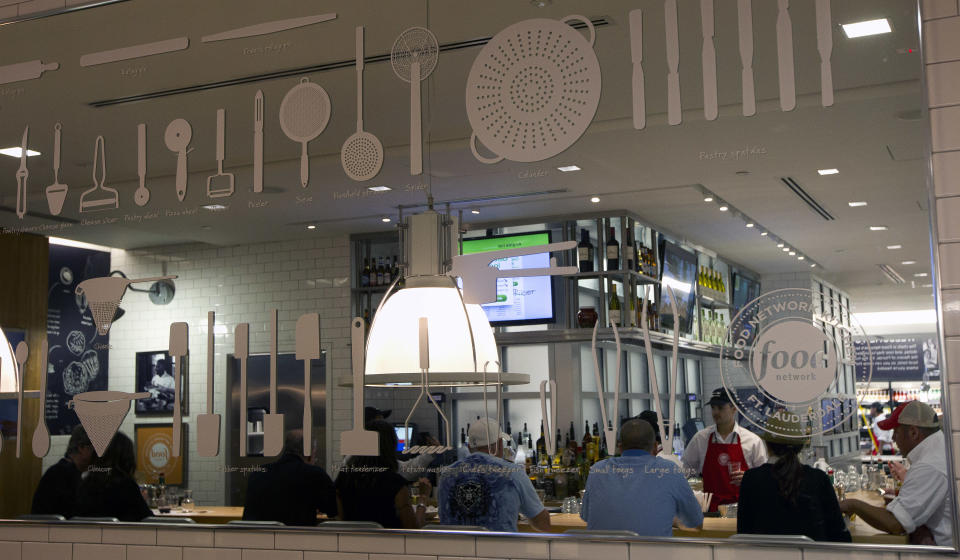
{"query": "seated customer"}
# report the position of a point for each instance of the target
(109, 489)
(638, 491)
(57, 490)
(785, 497)
(369, 488)
(290, 490)
(923, 507)
(483, 489)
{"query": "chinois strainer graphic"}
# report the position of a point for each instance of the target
(533, 90)
(101, 413)
(104, 295)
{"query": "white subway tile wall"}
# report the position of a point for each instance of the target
(238, 293)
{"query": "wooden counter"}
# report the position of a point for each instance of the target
(722, 528)
(214, 514)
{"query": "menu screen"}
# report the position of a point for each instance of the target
(523, 300)
(679, 273)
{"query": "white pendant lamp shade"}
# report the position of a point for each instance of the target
(393, 346)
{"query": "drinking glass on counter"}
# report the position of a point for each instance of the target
(188, 504)
(415, 494)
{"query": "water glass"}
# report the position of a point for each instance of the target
(188, 504)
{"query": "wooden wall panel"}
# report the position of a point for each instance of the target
(24, 260)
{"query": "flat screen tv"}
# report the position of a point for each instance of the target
(679, 271)
(524, 300)
(403, 436)
(745, 290)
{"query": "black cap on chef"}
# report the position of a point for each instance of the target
(719, 397)
(370, 412)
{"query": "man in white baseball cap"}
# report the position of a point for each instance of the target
(922, 509)
(483, 489)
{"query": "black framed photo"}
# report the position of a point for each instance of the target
(154, 375)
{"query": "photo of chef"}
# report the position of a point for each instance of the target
(155, 376)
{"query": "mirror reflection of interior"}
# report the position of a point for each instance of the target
(278, 264)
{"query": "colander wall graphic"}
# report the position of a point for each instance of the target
(533, 90)
(104, 294)
(101, 413)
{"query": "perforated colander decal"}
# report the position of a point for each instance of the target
(533, 90)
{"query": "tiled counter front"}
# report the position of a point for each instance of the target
(64, 541)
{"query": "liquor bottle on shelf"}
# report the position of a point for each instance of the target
(558, 450)
(541, 447)
(629, 255)
(387, 272)
(572, 436)
(463, 437)
(613, 251)
(396, 268)
(586, 437)
(585, 252)
(613, 312)
(365, 274)
(525, 434)
(379, 271)
(596, 442)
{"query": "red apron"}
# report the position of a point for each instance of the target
(716, 473)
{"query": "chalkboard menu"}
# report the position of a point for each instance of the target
(77, 360)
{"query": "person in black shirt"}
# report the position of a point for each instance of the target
(290, 490)
(785, 497)
(109, 489)
(372, 489)
(57, 491)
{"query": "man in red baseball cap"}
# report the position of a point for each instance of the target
(922, 509)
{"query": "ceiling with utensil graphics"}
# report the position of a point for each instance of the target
(874, 132)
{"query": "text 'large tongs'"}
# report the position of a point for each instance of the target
(425, 390)
(666, 433)
(480, 279)
(609, 430)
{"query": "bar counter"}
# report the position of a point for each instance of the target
(723, 528)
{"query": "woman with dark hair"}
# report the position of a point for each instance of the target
(371, 488)
(109, 490)
(785, 497)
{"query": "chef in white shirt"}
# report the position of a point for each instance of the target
(922, 509)
(723, 452)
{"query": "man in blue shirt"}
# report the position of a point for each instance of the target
(483, 489)
(637, 491)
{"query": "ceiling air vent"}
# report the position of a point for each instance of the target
(807, 198)
(891, 274)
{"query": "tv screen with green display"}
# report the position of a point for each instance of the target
(523, 300)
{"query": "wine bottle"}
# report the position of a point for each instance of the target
(629, 254)
(559, 448)
(396, 268)
(572, 436)
(613, 313)
(541, 446)
(586, 436)
(379, 271)
(365, 274)
(585, 252)
(613, 251)
(387, 272)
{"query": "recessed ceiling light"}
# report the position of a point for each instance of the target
(857, 203)
(865, 28)
(878, 228)
(595, 199)
(779, 244)
(750, 224)
(764, 234)
(894, 247)
(566, 168)
(379, 188)
(920, 275)
(792, 253)
(474, 211)
(214, 207)
(828, 171)
(311, 227)
(724, 208)
(385, 220)
(800, 258)
(813, 265)
(786, 249)
(708, 198)
(15, 152)
(908, 262)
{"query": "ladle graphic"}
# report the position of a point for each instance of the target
(101, 413)
(104, 295)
